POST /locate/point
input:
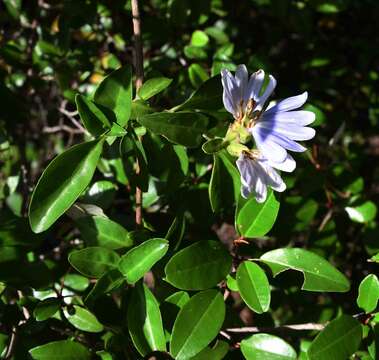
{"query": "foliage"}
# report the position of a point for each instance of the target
(208, 274)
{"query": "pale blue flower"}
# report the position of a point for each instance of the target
(275, 129)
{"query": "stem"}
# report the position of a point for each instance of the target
(298, 327)
(139, 79)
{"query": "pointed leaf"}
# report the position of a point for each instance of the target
(253, 286)
(199, 266)
(368, 293)
(67, 350)
(62, 182)
(197, 324)
(83, 319)
(319, 275)
(153, 86)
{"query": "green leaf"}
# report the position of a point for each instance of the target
(255, 219)
(199, 38)
(176, 231)
(224, 186)
(115, 94)
(197, 324)
(362, 213)
(153, 86)
(76, 282)
(207, 97)
(319, 275)
(94, 261)
(46, 309)
(368, 293)
(218, 352)
(184, 128)
(339, 340)
(101, 231)
(66, 349)
(82, 319)
(267, 347)
(253, 286)
(197, 75)
(139, 260)
(92, 117)
(215, 145)
(145, 321)
(199, 266)
(62, 182)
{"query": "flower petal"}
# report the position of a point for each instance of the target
(255, 85)
(291, 131)
(300, 117)
(288, 165)
(242, 78)
(267, 93)
(290, 103)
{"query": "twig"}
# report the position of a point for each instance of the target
(139, 80)
(71, 116)
(298, 327)
(12, 344)
(55, 129)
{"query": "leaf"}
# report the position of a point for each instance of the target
(198, 266)
(207, 97)
(62, 182)
(46, 309)
(115, 94)
(197, 324)
(199, 38)
(253, 286)
(153, 86)
(224, 186)
(197, 75)
(368, 293)
(267, 347)
(184, 128)
(255, 219)
(215, 145)
(363, 213)
(218, 352)
(340, 339)
(92, 117)
(93, 261)
(176, 231)
(66, 349)
(145, 321)
(82, 319)
(101, 231)
(139, 260)
(319, 275)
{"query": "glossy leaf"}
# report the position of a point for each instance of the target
(184, 128)
(218, 352)
(362, 213)
(319, 275)
(115, 94)
(65, 178)
(67, 350)
(253, 286)
(197, 324)
(94, 261)
(145, 321)
(199, 266)
(153, 86)
(46, 309)
(139, 260)
(368, 293)
(255, 219)
(92, 117)
(101, 231)
(83, 319)
(197, 75)
(340, 339)
(267, 347)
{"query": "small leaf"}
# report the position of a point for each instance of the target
(319, 275)
(82, 319)
(368, 293)
(115, 94)
(94, 261)
(197, 75)
(267, 347)
(145, 321)
(66, 349)
(139, 260)
(363, 213)
(339, 340)
(253, 286)
(199, 266)
(153, 86)
(46, 309)
(92, 117)
(101, 231)
(199, 38)
(197, 324)
(184, 128)
(62, 182)
(255, 219)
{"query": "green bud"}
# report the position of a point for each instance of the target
(235, 149)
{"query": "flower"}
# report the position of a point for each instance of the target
(276, 128)
(258, 172)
